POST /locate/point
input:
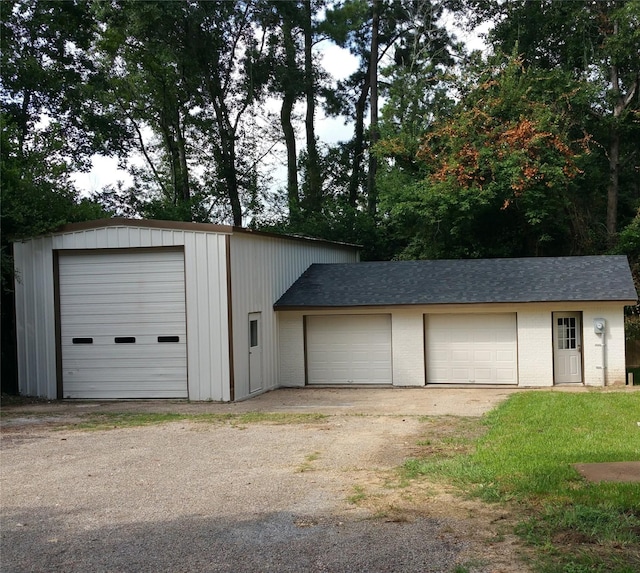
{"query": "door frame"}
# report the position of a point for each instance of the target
(256, 374)
(579, 343)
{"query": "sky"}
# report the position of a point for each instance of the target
(330, 130)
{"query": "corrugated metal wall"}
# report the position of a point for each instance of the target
(35, 318)
(262, 269)
(206, 302)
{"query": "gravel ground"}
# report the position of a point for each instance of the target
(188, 496)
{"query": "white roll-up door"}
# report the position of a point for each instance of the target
(349, 349)
(122, 324)
(471, 349)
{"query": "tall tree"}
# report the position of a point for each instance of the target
(313, 167)
(372, 196)
(49, 129)
(373, 31)
(191, 72)
(497, 173)
(598, 43)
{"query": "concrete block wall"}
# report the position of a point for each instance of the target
(291, 349)
(614, 350)
(535, 348)
(407, 348)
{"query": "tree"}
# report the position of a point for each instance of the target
(598, 43)
(49, 130)
(191, 72)
(498, 172)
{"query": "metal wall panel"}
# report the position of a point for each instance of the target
(35, 318)
(262, 269)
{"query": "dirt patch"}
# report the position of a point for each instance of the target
(621, 472)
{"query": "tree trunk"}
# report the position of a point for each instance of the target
(373, 128)
(358, 143)
(183, 168)
(614, 177)
(621, 102)
(175, 146)
(288, 101)
(230, 176)
(314, 183)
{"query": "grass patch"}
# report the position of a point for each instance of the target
(526, 454)
(110, 421)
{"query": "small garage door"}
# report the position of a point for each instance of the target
(471, 349)
(353, 349)
(122, 324)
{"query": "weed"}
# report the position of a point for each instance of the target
(308, 460)
(358, 495)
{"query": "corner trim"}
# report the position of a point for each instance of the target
(58, 326)
(232, 381)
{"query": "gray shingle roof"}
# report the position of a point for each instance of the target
(536, 279)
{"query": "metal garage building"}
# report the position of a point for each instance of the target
(123, 308)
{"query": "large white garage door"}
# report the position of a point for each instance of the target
(353, 349)
(122, 324)
(471, 349)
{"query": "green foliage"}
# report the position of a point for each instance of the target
(597, 43)
(497, 173)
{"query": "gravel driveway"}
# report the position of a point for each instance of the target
(221, 497)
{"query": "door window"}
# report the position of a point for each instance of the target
(567, 333)
(253, 333)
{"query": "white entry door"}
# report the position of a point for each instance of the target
(567, 347)
(255, 352)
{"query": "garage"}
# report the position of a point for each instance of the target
(122, 324)
(348, 349)
(471, 349)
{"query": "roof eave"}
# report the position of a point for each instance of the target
(298, 307)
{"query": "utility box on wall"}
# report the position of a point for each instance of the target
(599, 325)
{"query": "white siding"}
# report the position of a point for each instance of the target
(262, 269)
(206, 303)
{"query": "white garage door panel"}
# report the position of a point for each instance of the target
(353, 349)
(104, 296)
(472, 349)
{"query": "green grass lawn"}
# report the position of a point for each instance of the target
(526, 456)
